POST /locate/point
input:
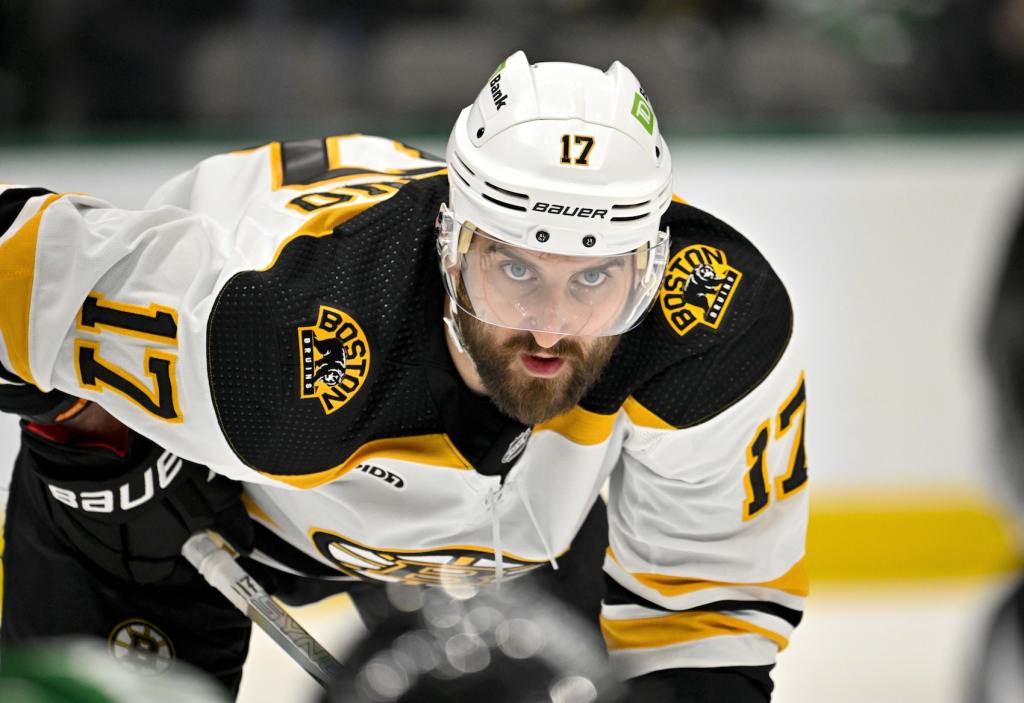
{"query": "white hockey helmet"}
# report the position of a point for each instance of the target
(558, 179)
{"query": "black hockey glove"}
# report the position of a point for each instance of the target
(131, 514)
(34, 405)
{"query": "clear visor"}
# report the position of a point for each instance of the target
(511, 286)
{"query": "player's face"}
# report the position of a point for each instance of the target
(581, 296)
(534, 376)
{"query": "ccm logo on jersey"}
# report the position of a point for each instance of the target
(334, 357)
(126, 496)
(699, 284)
(516, 446)
(377, 472)
(557, 209)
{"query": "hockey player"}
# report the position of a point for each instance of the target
(277, 315)
(997, 669)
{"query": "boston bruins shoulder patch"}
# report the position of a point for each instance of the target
(334, 357)
(699, 284)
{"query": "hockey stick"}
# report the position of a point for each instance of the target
(219, 568)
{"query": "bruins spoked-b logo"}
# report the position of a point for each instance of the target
(141, 647)
(699, 284)
(335, 358)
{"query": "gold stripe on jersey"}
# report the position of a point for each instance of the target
(430, 449)
(643, 417)
(323, 223)
(678, 199)
(17, 275)
(254, 510)
(794, 582)
(333, 146)
(382, 174)
(335, 162)
(407, 150)
(676, 628)
(276, 166)
(580, 426)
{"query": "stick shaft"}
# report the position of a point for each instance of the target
(222, 572)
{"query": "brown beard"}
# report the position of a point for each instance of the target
(525, 398)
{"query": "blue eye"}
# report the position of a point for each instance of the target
(593, 278)
(516, 271)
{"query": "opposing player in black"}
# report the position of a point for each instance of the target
(997, 669)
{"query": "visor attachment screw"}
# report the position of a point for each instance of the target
(480, 133)
(542, 236)
(589, 241)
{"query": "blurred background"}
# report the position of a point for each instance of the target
(873, 150)
(261, 66)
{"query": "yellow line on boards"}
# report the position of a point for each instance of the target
(878, 535)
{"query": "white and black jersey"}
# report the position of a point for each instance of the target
(275, 314)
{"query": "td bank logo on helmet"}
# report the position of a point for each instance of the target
(499, 98)
(334, 358)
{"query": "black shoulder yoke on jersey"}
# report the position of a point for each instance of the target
(719, 325)
(378, 271)
(358, 313)
(295, 397)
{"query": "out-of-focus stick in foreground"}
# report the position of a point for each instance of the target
(219, 568)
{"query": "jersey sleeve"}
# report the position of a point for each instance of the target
(109, 305)
(708, 512)
(17, 396)
(113, 305)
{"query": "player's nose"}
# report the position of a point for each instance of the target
(546, 340)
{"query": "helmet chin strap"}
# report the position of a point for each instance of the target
(454, 329)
